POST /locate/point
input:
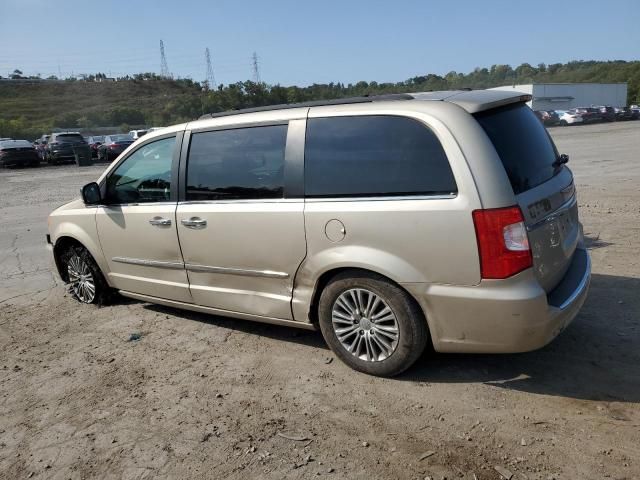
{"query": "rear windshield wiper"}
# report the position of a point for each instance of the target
(561, 160)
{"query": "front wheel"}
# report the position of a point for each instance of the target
(563, 123)
(86, 282)
(371, 324)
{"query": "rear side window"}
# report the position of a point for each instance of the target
(374, 156)
(243, 163)
(523, 144)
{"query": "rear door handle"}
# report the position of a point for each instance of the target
(194, 222)
(160, 222)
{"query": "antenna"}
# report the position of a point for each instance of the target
(164, 68)
(211, 80)
(255, 68)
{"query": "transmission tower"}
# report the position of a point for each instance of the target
(164, 68)
(211, 80)
(255, 68)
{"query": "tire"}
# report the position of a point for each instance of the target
(563, 123)
(376, 352)
(84, 275)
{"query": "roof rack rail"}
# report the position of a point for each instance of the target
(315, 103)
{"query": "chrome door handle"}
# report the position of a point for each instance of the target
(194, 222)
(160, 222)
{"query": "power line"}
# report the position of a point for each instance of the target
(211, 80)
(255, 68)
(164, 68)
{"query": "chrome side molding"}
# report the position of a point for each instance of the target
(201, 268)
(149, 263)
(236, 271)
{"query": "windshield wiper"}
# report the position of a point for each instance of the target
(561, 160)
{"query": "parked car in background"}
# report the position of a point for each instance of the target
(328, 216)
(18, 153)
(622, 114)
(94, 142)
(570, 117)
(136, 134)
(113, 146)
(589, 114)
(626, 113)
(635, 112)
(60, 146)
(549, 117)
(608, 114)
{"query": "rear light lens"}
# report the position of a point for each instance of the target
(503, 244)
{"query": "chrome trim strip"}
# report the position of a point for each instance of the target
(149, 263)
(383, 198)
(581, 286)
(242, 200)
(235, 271)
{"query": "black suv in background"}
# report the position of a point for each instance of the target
(60, 146)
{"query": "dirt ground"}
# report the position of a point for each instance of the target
(207, 397)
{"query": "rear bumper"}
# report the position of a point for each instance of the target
(57, 154)
(15, 160)
(503, 316)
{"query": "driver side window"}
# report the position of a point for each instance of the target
(145, 176)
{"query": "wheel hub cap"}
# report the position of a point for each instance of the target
(365, 325)
(81, 279)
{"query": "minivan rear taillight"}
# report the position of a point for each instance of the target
(503, 244)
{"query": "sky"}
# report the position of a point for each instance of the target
(304, 42)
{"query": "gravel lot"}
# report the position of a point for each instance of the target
(209, 397)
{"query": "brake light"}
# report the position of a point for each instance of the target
(503, 244)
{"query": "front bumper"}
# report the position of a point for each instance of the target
(503, 316)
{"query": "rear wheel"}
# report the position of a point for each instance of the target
(371, 324)
(86, 282)
(563, 123)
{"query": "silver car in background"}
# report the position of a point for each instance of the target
(386, 222)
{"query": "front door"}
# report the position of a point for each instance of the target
(137, 228)
(242, 240)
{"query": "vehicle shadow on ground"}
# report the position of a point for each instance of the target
(277, 332)
(596, 358)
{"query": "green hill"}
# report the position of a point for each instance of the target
(29, 108)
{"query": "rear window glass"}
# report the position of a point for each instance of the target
(523, 144)
(374, 156)
(121, 138)
(69, 137)
(15, 144)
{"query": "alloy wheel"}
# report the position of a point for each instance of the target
(81, 279)
(365, 325)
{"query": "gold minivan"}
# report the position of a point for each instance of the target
(386, 222)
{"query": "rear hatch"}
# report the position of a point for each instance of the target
(544, 191)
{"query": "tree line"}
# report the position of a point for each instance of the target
(182, 100)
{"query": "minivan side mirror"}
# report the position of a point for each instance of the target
(91, 194)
